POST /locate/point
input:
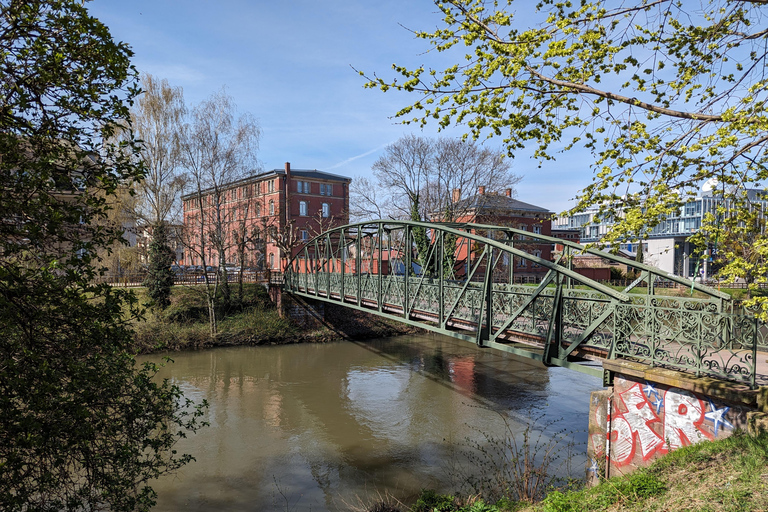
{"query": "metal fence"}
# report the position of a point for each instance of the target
(185, 278)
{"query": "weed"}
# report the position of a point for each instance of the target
(638, 486)
(520, 466)
(430, 501)
(376, 502)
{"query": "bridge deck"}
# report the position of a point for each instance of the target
(566, 319)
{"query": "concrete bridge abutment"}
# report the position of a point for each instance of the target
(302, 311)
(648, 412)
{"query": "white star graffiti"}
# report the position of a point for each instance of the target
(717, 416)
(649, 389)
(658, 403)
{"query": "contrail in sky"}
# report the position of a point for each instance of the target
(362, 155)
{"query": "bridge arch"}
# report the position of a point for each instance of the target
(468, 281)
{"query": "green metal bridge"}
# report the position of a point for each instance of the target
(476, 282)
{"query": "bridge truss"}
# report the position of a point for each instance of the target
(469, 281)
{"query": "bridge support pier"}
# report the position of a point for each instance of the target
(302, 311)
(648, 412)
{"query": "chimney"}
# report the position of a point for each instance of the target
(456, 195)
(508, 192)
(481, 190)
(286, 194)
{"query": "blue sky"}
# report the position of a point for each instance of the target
(289, 63)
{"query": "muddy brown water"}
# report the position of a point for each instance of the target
(328, 426)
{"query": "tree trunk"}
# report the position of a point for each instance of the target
(212, 316)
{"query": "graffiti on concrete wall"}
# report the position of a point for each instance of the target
(647, 420)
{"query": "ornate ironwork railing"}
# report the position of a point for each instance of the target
(462, 280)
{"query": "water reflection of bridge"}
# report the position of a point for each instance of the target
(463, 280)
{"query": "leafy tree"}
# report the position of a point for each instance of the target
(664, 94)
(81, 426)
(734, 239)
(160, 277)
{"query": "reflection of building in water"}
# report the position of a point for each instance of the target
(273, 408)
(330, 420)
(462, 372)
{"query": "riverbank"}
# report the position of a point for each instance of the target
(250, 320)
(726, 475)
(719, 476)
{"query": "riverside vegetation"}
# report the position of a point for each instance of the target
(729, 475)
(251, 319)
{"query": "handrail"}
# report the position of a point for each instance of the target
(622, 297)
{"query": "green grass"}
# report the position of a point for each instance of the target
(729, 475)
(726, 475)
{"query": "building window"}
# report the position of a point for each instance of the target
(304, 235)
(271, 207)
(271, 261)
(521, 263)
(326, 189)
(303, 208)
(536, 253)
(302, 187)
(258, 210)
(537, 229)
(326, 210)
(271, 186)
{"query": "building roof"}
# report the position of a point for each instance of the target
(495, 204)
(312, 174)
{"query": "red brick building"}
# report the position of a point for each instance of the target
(570, 234)
(503, 210)
(276, 210)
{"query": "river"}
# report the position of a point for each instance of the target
(327, 426)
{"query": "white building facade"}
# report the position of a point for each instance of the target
(667, 246)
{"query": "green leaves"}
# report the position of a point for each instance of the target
(81, 427)
(678, 96)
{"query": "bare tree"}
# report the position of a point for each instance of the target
(419, 178)
(157, 118)
(422, 179)
(218, 147)
(288, 236)
(249, 234)
(460, 168)
(403, 172)
(120, 257)
(368, 201)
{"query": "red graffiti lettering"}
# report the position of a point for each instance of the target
(683, 416)
(633, 427)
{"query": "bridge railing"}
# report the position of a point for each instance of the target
(457, 282)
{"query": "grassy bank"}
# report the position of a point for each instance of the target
(730, 475)
(726, 475)
(250, 321)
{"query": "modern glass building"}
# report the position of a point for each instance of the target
(667, 246)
